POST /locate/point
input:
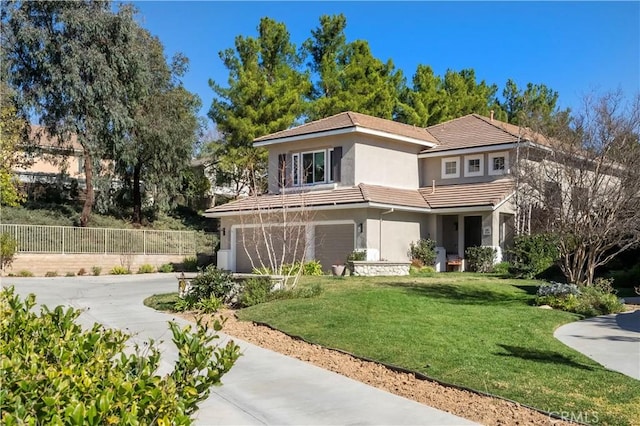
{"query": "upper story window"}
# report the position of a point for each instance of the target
(498, 163)
(450, 167)
(474, 165)
(316, 167)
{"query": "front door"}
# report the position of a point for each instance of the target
(472, 231)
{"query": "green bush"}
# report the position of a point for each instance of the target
(146, 269)
(212, 282)
(533, 254)
(55, 372)
(357, 255)
(8, 248)
(424, 252)
(312, 268)
(210, 305)
(165, 268)
(480, 259)
(70, 274)
(424, 270)
(119, 270)
(51, 274)
(296, 293)
(254, 291)
(626, 277)
(96, 270)
(25, 273)
(190, 264)
(587, 301)
(502, 268)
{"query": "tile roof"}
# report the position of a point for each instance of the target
(40, 138)
(468, 194)
(461, 195)
(350, 119)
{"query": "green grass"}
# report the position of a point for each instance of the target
(162, 302)
(471, 330)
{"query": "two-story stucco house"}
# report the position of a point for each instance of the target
(378, 185)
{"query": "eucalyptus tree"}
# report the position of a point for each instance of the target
(71, 65)
(265, 93)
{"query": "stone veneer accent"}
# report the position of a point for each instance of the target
(378, 269)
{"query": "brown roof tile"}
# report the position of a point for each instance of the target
(350, 119)
(468, 194)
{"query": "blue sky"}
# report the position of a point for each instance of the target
(572, 47)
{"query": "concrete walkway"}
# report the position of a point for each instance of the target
(263, 387)
(612, 340)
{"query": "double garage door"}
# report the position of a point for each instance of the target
(331, 244)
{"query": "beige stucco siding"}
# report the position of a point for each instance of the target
(431, 169)
(389, 235)
(386, 163)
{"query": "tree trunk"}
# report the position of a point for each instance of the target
(137, 195)
(88, 191)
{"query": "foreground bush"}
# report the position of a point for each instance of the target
(533, 254)
(587, 301)
(212, 282)
(480, 259)
(423, 253)
(54, 372)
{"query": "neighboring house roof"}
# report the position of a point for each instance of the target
(489, 194)
(351, 121)
(468, 194)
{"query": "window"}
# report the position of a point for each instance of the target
(316, 167)
(474, 165)
(498, 163)
(450, 168)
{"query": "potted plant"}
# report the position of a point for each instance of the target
(337, 269)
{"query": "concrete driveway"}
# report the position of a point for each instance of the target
(263, 387)
(612, 340)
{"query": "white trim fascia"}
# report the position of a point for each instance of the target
(311, 222)
(507, 198)
(309, 188)
(353, 129)
(394, 136)
(461, 209)
(463, 151)
(362, 205)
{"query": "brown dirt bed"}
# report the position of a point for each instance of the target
(479, 408)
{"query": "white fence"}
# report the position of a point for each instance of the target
(68, 239)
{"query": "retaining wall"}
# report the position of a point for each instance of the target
(378, 269)
(40, 264)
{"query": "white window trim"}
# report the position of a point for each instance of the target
(295, 169)
(327, 168)
(493, 155)
(328, 164)
(467, 172)
(444, 167)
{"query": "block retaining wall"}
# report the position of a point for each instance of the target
(379, 269)
(40, 264)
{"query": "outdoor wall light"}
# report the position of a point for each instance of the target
(360, 228)
(224, 231)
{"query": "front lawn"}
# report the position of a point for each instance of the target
(471, 330)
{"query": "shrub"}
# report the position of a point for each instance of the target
(92, 377)
(8, 248)
(626, 277)
(210, 305)
(25, 273)
(357, 255)
(586, 301)
(480, 259)
(296, 293)
(146, 269)
(312, 268)
(502, 268)
(424, 270)
(423, 252)
(190, 264)
(119, 270)
(96, 270)
(212, 282)
(51, 274)
(70, 274)
(165, 268)
(254, 291)
(533, 254)
(82, 272)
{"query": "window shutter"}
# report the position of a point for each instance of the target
(282, 170)
(335, 163)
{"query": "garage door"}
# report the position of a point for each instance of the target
(333, 243)
(256, 248)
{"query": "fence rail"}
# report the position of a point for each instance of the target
(68, 239)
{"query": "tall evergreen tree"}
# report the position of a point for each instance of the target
(535, 103)
(424, 104)
(466, 96)
(348, 76)
(71, 63)
(265, 93)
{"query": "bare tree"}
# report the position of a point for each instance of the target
(275, 236)
(580, 180)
